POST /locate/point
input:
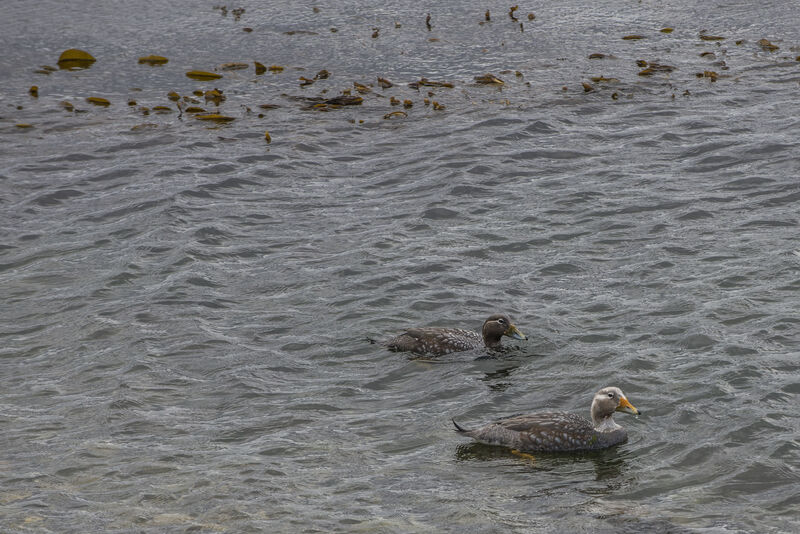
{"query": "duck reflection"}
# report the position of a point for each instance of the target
(608, 464)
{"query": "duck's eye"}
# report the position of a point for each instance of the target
(610, 395)
(501, 321)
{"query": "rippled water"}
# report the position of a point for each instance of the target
(187, 308)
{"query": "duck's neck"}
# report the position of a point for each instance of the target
(492, 341)
(605, 424)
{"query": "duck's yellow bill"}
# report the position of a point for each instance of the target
(513, 331)
(627, 407)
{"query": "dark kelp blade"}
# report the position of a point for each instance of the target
(203, 75)
(75, 59)
(153, 60)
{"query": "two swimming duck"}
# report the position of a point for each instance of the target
(539, 432)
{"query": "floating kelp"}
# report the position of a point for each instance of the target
(215, 96)
(531, 16)
(323, 104)
(260, 67)
(361, 88)
(34, 91)
(23, 125)
(667, 30)
(203, 75)
(275, 68)
(375, 32)
(215, 117)
(603, 79)
(430, 83)
(67, 105)
(597, 55)
(708, 74)
(268, 106)
(428, 22)
(195, 109)
(97, 101)
(511, 11)
(408, 104)
(305, 81)
(162, 109)
(489, 79)
(384, 83)
(641, 63)
(395, 114)
(711, 37)
(768, 46)
(437, 106)
(708, 54)
(172, 95)
(233, 66)
(75, 59)
(487, 16)
(660, 67)
(394, 101)
(300, 32)
(267, 137)
(653, 68)
(322, 75)
(237, 12)
(633, 37)
(588, 88)
(153, 60)
(344, 100)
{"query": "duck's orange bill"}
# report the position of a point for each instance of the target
(625, 406)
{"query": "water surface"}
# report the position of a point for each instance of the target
(187, 307)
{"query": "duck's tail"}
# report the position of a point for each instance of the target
(459, 429)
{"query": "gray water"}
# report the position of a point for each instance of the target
(186, 307)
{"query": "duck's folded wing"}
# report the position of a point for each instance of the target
(551, 431)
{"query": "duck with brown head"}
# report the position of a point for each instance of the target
(437, 341)
(560, 431)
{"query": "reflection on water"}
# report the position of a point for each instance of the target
(607, 464)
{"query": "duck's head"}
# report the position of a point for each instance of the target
(497, 326)
(609, 400)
